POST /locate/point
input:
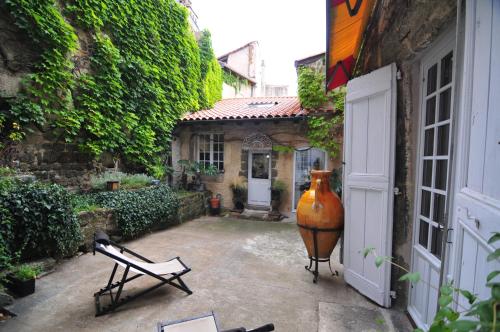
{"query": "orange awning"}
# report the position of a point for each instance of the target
(346, 23)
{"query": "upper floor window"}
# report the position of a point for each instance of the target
(211, 150)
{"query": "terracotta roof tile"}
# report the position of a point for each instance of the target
(250, 108)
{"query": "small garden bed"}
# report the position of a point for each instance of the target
(45, 220)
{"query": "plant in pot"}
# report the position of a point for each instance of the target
(195, 170)
(21, 281)
(240, 191)
(278, 188)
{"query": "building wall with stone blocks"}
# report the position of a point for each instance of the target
(402, 31)
(288, 132)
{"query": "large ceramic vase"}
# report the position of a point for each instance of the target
(320, 208)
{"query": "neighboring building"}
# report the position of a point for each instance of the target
(272, 90)
(241, 71)
(238, 135)
(315, 61)
(422, 144)
(193, 18)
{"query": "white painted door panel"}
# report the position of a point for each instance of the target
(259, 178)
(476, 209)
(369, 134)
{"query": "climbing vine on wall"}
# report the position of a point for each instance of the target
(322, 128)
(233, 80)
(144, 72)
(211, 72)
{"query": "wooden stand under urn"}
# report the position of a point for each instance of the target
(320, 217)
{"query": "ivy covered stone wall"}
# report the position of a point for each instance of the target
(107, 77)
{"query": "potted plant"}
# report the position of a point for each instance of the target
(195, 170)
(240, 190)
(215, 204)
(277, 190)
(21, 281)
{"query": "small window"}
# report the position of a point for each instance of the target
(211, 150)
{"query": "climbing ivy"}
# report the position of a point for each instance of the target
(322, 128)
(211, 72)
(233, 80)
(46, 92)
(144, 72)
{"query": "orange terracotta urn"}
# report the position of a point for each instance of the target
(320, 213)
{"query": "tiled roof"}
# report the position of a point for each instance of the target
(250, 108)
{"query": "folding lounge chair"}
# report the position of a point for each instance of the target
(205, 323)
(169, 272)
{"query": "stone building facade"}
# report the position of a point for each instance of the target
(261, 130)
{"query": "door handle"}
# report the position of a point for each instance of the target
(476, 220)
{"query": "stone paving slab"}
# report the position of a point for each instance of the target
(335, 317)
(248, 272)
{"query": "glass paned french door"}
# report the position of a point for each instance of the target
(435, 153)
(305, 161)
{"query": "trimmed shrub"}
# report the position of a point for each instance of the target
(139, 211)
(38, 221)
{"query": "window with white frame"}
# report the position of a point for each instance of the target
(211, 150)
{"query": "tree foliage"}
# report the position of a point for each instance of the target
(145, 72)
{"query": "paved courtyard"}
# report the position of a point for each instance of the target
(248, 272)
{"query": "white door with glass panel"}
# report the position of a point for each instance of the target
(305, 160)
(436, 113)
(369, 150)
(259, 178)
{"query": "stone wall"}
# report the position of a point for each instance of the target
(282, 132)
(49, 158)
(192, 206)
(401, 31)
(92, 221)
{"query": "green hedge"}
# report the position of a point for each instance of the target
(139, 211)
(37, 220)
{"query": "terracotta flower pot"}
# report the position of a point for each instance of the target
(320, 208)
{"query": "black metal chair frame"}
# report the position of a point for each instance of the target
(315, 258)
(116, 300)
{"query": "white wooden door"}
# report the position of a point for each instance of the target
(433, 166)
(476, 209)
(369, 143)
(259, 178)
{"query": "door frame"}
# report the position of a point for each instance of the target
(438, 48)
(294, 209)
(250, 160)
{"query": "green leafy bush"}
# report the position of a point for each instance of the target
(127, 181)
(38, 221)
(138, 211)
(26, 272)
(6, 224)
(83, 203)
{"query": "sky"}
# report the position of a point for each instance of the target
(287, 30)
